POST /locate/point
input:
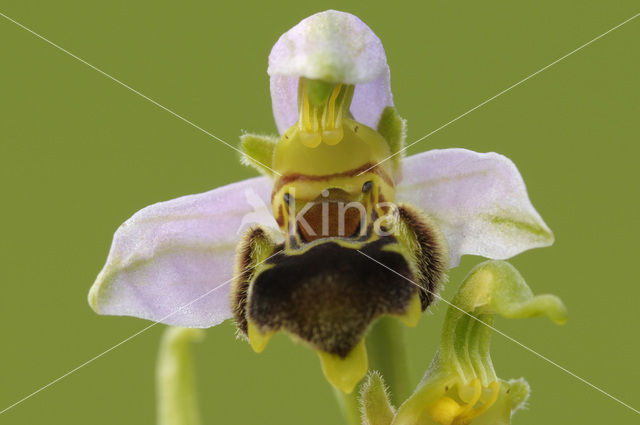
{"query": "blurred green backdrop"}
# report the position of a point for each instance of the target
(80, 154)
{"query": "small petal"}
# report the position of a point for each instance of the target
(167, 261)
(394, 129)
(258, 152)
(335, 47)
(479, 200)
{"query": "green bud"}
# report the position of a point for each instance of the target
(461, 386)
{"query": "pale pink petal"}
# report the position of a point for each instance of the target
(336, 47)
(479, 200)
(284, 101)
(370, 99)
(172, 262)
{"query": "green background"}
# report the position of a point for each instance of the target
(79, 154)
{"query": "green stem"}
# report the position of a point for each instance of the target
(387, 354)
(349, 405)
(175, 378)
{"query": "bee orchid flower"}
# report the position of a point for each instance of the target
(343, 204)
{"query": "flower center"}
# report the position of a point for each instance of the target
(321, 108)
(447, 411)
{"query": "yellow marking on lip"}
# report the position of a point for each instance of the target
(257, 339)
(414, 311)
(345, 373)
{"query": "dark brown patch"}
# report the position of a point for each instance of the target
(432, 261)
(280, 217)
(345, 226)
(330, 294)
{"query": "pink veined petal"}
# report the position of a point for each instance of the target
(172, 261)
(479, 201)
(331, 46)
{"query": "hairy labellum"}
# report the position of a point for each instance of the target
(329, 292)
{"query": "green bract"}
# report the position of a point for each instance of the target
(374, 400)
